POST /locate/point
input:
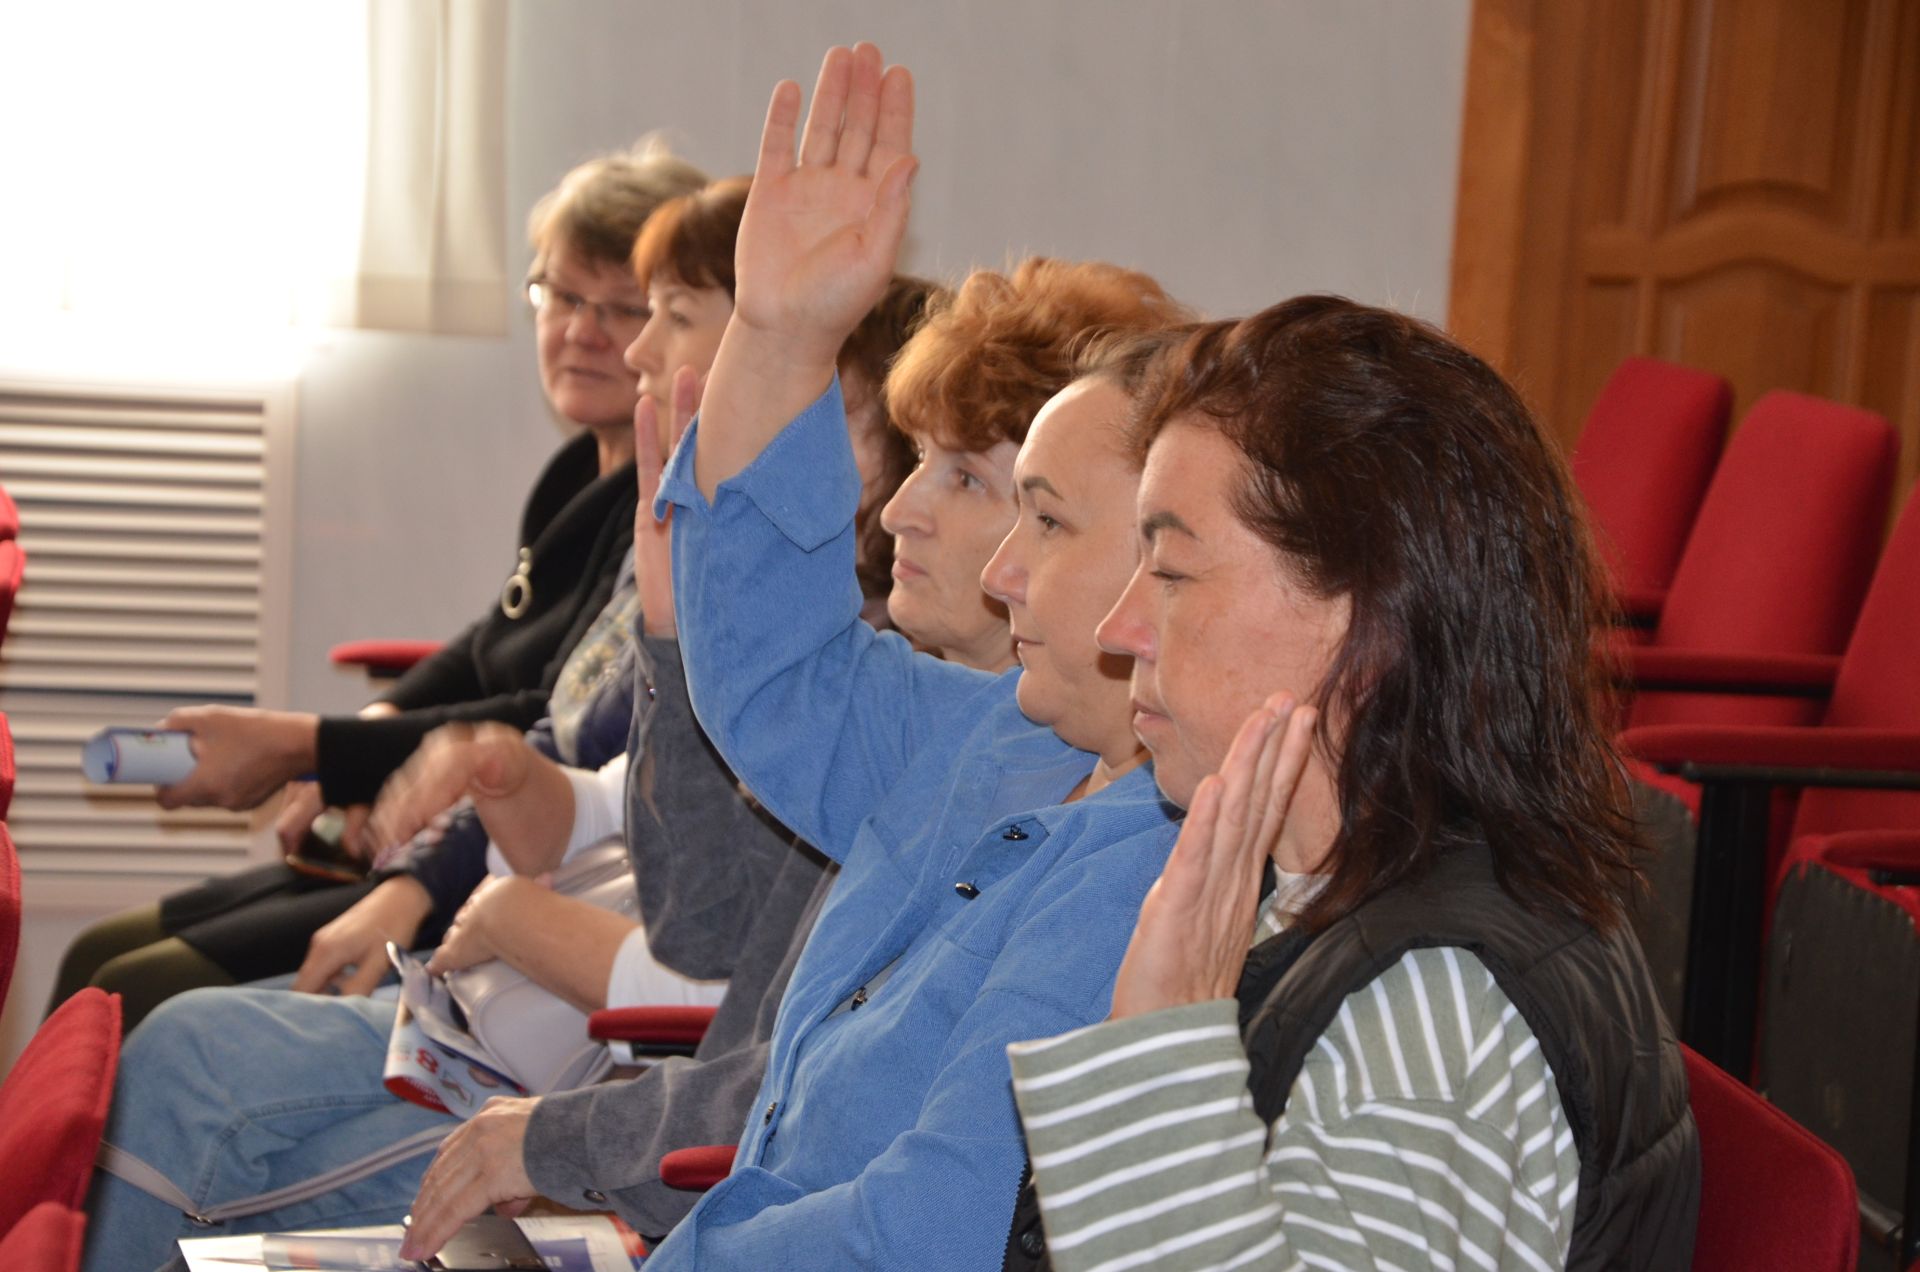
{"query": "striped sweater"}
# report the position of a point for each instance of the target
(1424, 1130)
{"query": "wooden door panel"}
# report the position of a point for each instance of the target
(1762, 326)
(1733, 184)
(1739, 137)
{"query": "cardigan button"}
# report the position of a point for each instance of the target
(859, 997)
(966, 890)
(1033, 1243)
(1014, 834)
(595, 1196)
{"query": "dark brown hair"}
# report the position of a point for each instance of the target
(692, 237)
(992, 353)
(1386, 464)
(869, 353)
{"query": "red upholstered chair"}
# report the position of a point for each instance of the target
(53, 1106)
(1772, 1197)
(13, 568)
(668, 1031)
(383, 659)
(47, 1240)
(9, 516)
(1859, 769)
(9, 909)
(1643, 461)
(1837, 1048)
(8, 771)
(1777, 563)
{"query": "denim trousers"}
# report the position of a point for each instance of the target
(231, 1093)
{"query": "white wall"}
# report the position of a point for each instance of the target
(1241, 150)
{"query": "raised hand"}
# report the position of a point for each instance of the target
(821, 232)
(1195, 924)
(816, 249)
(653, 539)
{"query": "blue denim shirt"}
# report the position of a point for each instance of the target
(884, 1134)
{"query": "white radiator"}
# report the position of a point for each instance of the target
(155, 523)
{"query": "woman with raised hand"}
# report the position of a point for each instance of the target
(1363, 632)
(995, 835)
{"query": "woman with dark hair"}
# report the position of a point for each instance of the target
(1363, 631)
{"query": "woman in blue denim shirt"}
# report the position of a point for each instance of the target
(992, 861)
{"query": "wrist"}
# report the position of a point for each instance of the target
(404, 902)
(298, 742)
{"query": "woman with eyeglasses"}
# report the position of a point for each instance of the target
(538, 646)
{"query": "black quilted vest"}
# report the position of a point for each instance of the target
(1588, 999)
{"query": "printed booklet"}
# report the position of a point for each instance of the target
(561, 1243)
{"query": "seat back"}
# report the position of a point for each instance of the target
(9, 910)
(1643, 462)
(47, 1240)
(13, 567)
(1771, 1195)
(53, 1106)
(1781, 552)
(1878, 686)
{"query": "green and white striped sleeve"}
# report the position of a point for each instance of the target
(1424, 1130)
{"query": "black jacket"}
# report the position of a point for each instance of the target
(574, 534)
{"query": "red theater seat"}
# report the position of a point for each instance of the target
(13, 567)
(53, 1107)
(9, 907)
(1643, 462)
(9, 516)
(8, 773)
(47, 1240)
(1772, 1197)
(383, 659)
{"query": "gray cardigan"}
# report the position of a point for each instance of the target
(724, 891)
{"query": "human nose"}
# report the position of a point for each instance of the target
(641, 356)
(1005, 578)
(1128, 627)
(587, 325)
(906, 512)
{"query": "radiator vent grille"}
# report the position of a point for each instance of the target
(148, 517)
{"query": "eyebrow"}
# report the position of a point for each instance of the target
(1036, 482)
(1158, 521)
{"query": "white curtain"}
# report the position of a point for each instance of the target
(433, 237)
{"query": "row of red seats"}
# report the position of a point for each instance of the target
(53, 1104)
(1791, 728)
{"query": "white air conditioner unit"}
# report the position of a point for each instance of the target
(156, 522)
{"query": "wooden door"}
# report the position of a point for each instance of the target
(1733, 184)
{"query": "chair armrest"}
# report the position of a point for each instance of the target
(1783, 755)
(1640, 606)
(384, 659)
(1890, 857)
(669, 1029)
(697, 1169)
(1699, 671)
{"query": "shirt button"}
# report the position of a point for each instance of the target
(767, 1117)
(1014, 834)
(859, 997)
(595, 1196)
(966, 890)
(1032, 1243)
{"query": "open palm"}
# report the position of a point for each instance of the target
(822, 229)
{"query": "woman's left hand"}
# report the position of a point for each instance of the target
(1191, 941)
(471, 938)
(653, 539)
(481, 1164)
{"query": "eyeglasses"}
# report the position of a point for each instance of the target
(616, 318)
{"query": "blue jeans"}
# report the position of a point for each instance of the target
(231, 1093)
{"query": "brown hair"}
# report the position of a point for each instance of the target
(1386, 464)
(692, 237)
(989, 358)
(598, 208)
(868, 352)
